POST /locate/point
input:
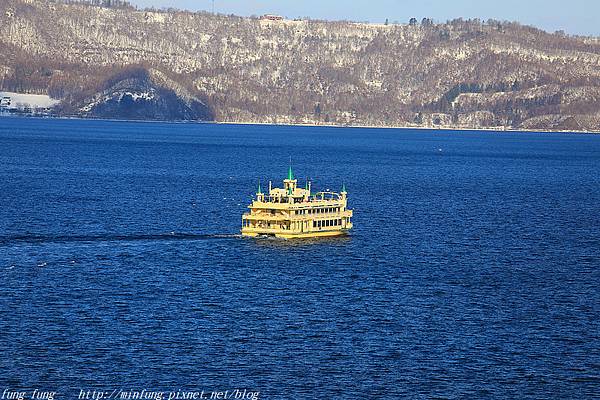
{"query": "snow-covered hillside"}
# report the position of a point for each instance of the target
(462, 73)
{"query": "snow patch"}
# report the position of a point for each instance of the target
(12, 100)
(155, 17)
(139, 95)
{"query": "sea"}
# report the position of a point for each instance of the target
(472, 271)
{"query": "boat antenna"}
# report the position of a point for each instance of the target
(259, 190)
(290, 173)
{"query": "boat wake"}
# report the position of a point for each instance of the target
(10, 240)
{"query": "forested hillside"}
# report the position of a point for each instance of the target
(127, 63)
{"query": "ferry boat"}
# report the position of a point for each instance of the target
(292, 212)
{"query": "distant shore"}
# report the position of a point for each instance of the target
(414, 127)
(403, 127)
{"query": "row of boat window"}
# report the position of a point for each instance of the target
(327, 223)
(318, 211)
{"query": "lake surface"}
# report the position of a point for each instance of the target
(473, 269)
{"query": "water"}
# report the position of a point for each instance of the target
(472, 271)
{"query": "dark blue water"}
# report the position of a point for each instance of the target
(473, 270)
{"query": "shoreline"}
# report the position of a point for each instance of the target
(416, 127)
(399, 127)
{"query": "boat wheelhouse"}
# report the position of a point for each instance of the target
(292, 212)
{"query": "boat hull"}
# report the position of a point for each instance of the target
(299, 235)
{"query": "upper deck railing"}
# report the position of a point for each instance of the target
(320, 197)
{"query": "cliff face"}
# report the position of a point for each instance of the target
(203, 66)
(135, 94)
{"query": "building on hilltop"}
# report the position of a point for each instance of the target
(272, 17)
